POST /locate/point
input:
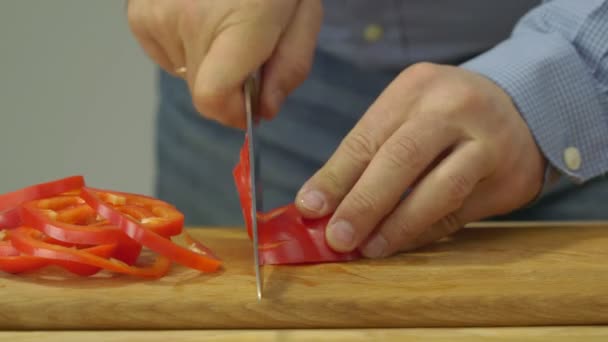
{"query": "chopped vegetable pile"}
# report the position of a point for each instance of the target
(85, 230)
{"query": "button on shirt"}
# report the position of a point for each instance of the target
(572, 158)
(372, 33)
(550, 56)
(395, 33)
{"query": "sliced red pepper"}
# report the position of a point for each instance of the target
(196, 246)
(30, 241)
(10, 218)
(240, 174)
(13, 261)
(10, 202)
(137, 230)
(6, 249)
(156, 215)
(285, 237)
(69, 219)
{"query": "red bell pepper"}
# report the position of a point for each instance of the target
(67, 218)
(51, 224)
(13, 261)
(110, 208)
(10, 202)
(158, 216)
(31, 242)
(285, 237)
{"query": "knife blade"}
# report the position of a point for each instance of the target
(251, 90)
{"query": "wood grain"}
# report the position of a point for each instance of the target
(486, 275)
(529, 334)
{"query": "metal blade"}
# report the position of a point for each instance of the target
(251, 107)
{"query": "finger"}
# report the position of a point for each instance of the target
(486, 200)
(139, 21)
(398, 163)
(322, 193)
(173, 47)
(480, 204)
(439, 194)
(195, 49)
(154, 50)
(292, 59)
(195, 40)
(236, 51)
(448, 225)
(163, 22)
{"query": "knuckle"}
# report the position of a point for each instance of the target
(161, 18)
(135, 17)
(458, 188)
(461, 98)
(292, 74)
(448, 225)
(207, 99)
(299, 70)
(360, 147)
(331, 182)
(363, 203)
(403, 152)
(471, 96)
(423, 70)
(404, 232)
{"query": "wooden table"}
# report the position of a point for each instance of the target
(491, 281)
(528, 334)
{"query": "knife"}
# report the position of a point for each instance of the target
(251, 90)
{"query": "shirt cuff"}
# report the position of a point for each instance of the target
(557, 96)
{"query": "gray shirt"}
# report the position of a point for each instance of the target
(393, 33)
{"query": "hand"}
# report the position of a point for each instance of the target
(221, 42)
(451, 137)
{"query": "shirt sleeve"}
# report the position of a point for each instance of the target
(555, 68)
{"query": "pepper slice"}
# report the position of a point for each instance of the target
(198, 247)
(13, 261)
(156, 215)
(285, 237)
(240, 173)
(69, 219)
(10, 202)
(137, 230)
(30, 241)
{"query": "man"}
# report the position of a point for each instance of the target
(404, 120)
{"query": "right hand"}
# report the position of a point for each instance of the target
(220, 43)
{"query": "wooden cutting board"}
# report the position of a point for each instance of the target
(486, 275)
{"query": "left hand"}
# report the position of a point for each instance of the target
(452, 137)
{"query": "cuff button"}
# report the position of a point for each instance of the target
(572, 158)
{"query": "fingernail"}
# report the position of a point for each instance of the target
(313, 200)
(375, 247)
(341, 235)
